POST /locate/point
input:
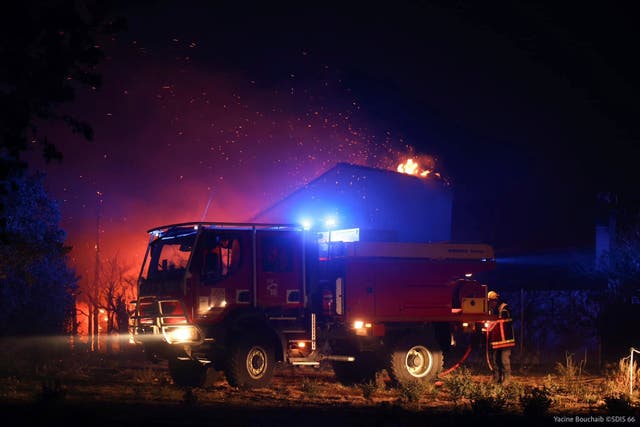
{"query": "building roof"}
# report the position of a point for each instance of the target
(384, 204)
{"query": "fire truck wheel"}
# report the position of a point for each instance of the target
(250, 364)
(415, 358)
(187, 373)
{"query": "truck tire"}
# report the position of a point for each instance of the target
(415, 358)
(362, 370)
(250, 364)
(187, 373)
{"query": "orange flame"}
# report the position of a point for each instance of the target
(411, 167)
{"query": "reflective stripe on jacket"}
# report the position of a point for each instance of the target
(501, 331)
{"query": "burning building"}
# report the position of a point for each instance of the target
(411, 206)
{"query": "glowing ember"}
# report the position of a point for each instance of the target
(411, 167)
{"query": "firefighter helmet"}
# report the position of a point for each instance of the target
(493, 295)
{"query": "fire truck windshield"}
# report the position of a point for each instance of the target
(168, 257)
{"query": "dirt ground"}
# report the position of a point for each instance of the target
(125, 389)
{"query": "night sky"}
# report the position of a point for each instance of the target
(529, 111)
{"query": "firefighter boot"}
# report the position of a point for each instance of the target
(506, 379)
(506, 366)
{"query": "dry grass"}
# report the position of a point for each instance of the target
(128, 379)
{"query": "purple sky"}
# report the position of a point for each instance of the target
(169, 135)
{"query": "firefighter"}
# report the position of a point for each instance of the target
(500, 338)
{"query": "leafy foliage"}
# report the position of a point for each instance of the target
(36, 284)
(619, 268)
(370, 388)
(460, 384)
(49, 48)
(412, 391)
(620, 265)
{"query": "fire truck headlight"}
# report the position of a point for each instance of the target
(358, 324)
(181, 334)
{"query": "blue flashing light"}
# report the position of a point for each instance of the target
(330, 222)
(307, 224)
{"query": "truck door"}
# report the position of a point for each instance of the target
(279, 269)
(359, 290)
(221, 272)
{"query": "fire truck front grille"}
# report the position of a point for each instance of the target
(147, 330)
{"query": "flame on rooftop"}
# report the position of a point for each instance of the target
(422, 167)
(413, 167)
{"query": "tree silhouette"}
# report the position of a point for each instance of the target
(36, 284)
(109, 296)
(48, 49)
(620, 268)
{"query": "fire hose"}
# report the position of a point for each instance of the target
(486, 351)
(457, 365)
(466, 355)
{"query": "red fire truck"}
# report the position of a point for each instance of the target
(240, 298)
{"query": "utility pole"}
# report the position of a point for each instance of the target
(94, 313)
(521, 328)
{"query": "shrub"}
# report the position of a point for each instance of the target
(570, 373)
(617, 379)
(310, 387)
(487, 399)
(460, 384)
(536, 401)
(619, 404)
(368, 388)
(590, 396)
(413, 391)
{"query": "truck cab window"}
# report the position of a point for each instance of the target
(169, 257)
(277, 255)
(221, 258)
